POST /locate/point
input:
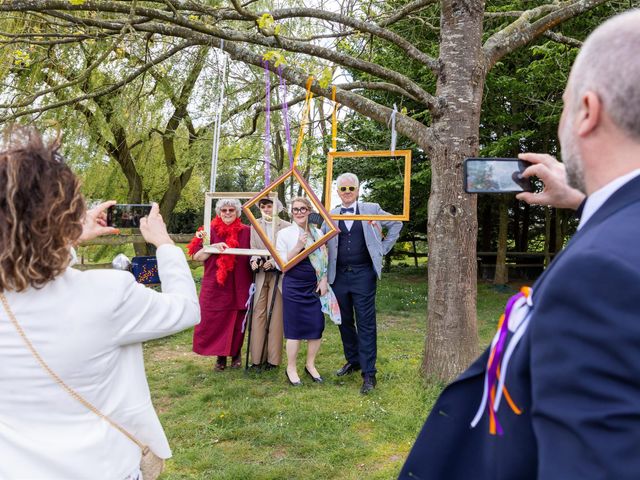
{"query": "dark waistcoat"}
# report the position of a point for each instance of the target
(352, 247)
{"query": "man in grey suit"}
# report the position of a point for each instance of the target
(355, 264)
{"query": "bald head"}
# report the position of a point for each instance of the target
(609, 65)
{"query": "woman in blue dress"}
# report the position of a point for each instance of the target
(305, 291)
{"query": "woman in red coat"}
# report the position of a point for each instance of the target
(225, 286)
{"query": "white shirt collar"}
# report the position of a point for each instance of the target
(597, 198)
(353, 205)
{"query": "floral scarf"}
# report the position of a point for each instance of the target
(320, 261)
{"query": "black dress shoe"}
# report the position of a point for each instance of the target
(269, 366)
(293, 384)
(348, 368)
(368, 383)
(315, 379)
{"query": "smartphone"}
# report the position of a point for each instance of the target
(495, 175)
(126, 215)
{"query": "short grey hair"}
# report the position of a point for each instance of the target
(608, 64)
(349, 177)
(230, 202)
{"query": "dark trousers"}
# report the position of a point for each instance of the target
(355, 290)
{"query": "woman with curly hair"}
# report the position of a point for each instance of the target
(225, 286)
(64, 331)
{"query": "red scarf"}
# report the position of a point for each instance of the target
(229, 235)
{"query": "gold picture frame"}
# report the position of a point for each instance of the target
(271, 245)
(406, 154)
(208, 215)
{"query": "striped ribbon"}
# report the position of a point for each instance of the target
(499, 356)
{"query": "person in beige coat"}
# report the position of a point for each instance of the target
(266, 354)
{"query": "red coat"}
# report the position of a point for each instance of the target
(223, 307)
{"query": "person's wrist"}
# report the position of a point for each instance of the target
(163, 241)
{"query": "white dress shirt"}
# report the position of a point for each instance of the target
(349, 223)
(88, 327)
(599, 197)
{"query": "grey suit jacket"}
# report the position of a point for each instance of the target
(377, 246)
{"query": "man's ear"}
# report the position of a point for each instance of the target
(590, 114)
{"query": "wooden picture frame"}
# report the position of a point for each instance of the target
(209, 197)
(406, 154)
(271, 245)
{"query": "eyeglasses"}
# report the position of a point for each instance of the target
(350, 188)
(227, 210)
(300, 210)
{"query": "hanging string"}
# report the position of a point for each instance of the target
(334, 120)
(393, 128)
(217, 123)
(285, 114)
(267, 126)
(304, 121)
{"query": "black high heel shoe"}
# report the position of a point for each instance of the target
(315, 379)
(293, 384)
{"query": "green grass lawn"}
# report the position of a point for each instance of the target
(234, 425)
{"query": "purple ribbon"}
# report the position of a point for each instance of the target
(285, 114)
(267, 126)
(492, 371)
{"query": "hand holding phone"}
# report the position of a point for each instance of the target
(94, 223)
(126, 215)
(496, 175)
(153, 228)
(556, 191)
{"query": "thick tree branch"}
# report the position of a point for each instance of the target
(526, 28)
(187, 27)
(373, 29)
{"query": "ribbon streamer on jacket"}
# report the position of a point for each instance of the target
(515, 319)
(252, 291)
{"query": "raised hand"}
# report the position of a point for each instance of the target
(556, 192)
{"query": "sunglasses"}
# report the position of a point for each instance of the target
(227, 210)
(350, 188)
(300, 210)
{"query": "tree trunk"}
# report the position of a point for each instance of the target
(502, 275)
(452, 335)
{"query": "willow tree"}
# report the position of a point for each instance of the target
(470, 37)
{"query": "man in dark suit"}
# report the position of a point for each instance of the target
(567, 360)
(355, 264)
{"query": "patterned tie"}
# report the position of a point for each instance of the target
(346, 210)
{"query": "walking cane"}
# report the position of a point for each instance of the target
(250, 322)
(270, 314)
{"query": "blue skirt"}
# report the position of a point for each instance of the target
(302, 313)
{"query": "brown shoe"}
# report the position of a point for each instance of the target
(236, 362)
(221, 364)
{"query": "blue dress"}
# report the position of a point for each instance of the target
(302, 313)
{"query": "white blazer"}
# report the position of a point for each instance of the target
(88, 327)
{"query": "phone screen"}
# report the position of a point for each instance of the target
(495, 175)
(126, 215)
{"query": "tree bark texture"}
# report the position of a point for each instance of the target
(452, 339)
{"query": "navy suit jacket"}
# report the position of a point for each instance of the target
(575, 373)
